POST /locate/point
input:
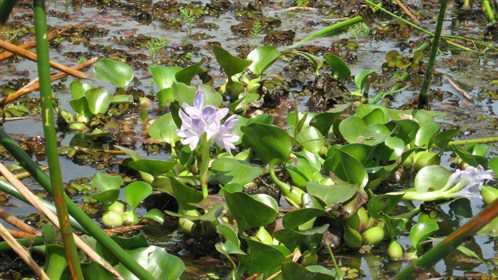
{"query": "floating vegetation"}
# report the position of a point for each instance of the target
(312, 153)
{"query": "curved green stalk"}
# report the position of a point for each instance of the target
(86, 222)
(489, 11)
(293, 195)
(26, 242)
(204, 164)
(10, 190)
(70, 251)
(482, 140)
(450, 243)
(423, 101)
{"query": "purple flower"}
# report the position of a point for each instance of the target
(199, 119)
(469, 181)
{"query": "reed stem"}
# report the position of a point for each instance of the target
(423, 102)
(450, 243)
(51, 143)
(86, 222)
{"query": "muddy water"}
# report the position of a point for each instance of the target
(123, 22)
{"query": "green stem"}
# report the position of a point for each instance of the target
(327, 31)
(204, 164)
(467, 4)
(450, 243)
(293, 195)
(482, 140)
(49, 131)
(423, 101)
(447, 38)
(86, 222)
(489, 11)
(10, 190)
(26, 242)
(6, 7)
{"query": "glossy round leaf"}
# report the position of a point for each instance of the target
(432, 177)
(156, 261)
(332, 195)
(261, 58)
(294, 219)
(269, 143)
(113, 71)
(251, 211)
(232, 171)
(355, 130)
(98, 100)
(106, 186)
(164, 76)
(136, 192)
(152, 166)
(346, 167)
(164, 129)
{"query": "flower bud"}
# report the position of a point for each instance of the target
(117, 207)
(395, 251)
(112, 219)
(374, 235)
(130, 218)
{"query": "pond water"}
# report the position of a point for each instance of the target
(123, 28)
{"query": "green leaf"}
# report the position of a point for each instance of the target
(231, 246)
(262, 58)
(78, 89)
(98, 100)
(330, 30)
(355, 130)
(311, 139)
(184, 195)
(323, 121)
(155, 215)
(183, 93)
(425, 226)
(261, 258)
(113, 71)
(164, 76)
(228, 170)
(294, 271)
(231, 64)
(156, 261)
(396, 144)
(163, 129)
(121, 98)
(332, 195)
(340, 69)
(294, 219)
(269, 143)
(94, 270)
(55, 262)
(136, 192)
(425, 134)
(361, 81)
(106, 186)
(346, 167)
(430, 178)
(251, 210)
(186, 74)
(152, 166)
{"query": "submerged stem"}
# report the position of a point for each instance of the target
(49, 132)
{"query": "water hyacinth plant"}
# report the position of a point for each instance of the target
(461, 183)
(235, 167)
